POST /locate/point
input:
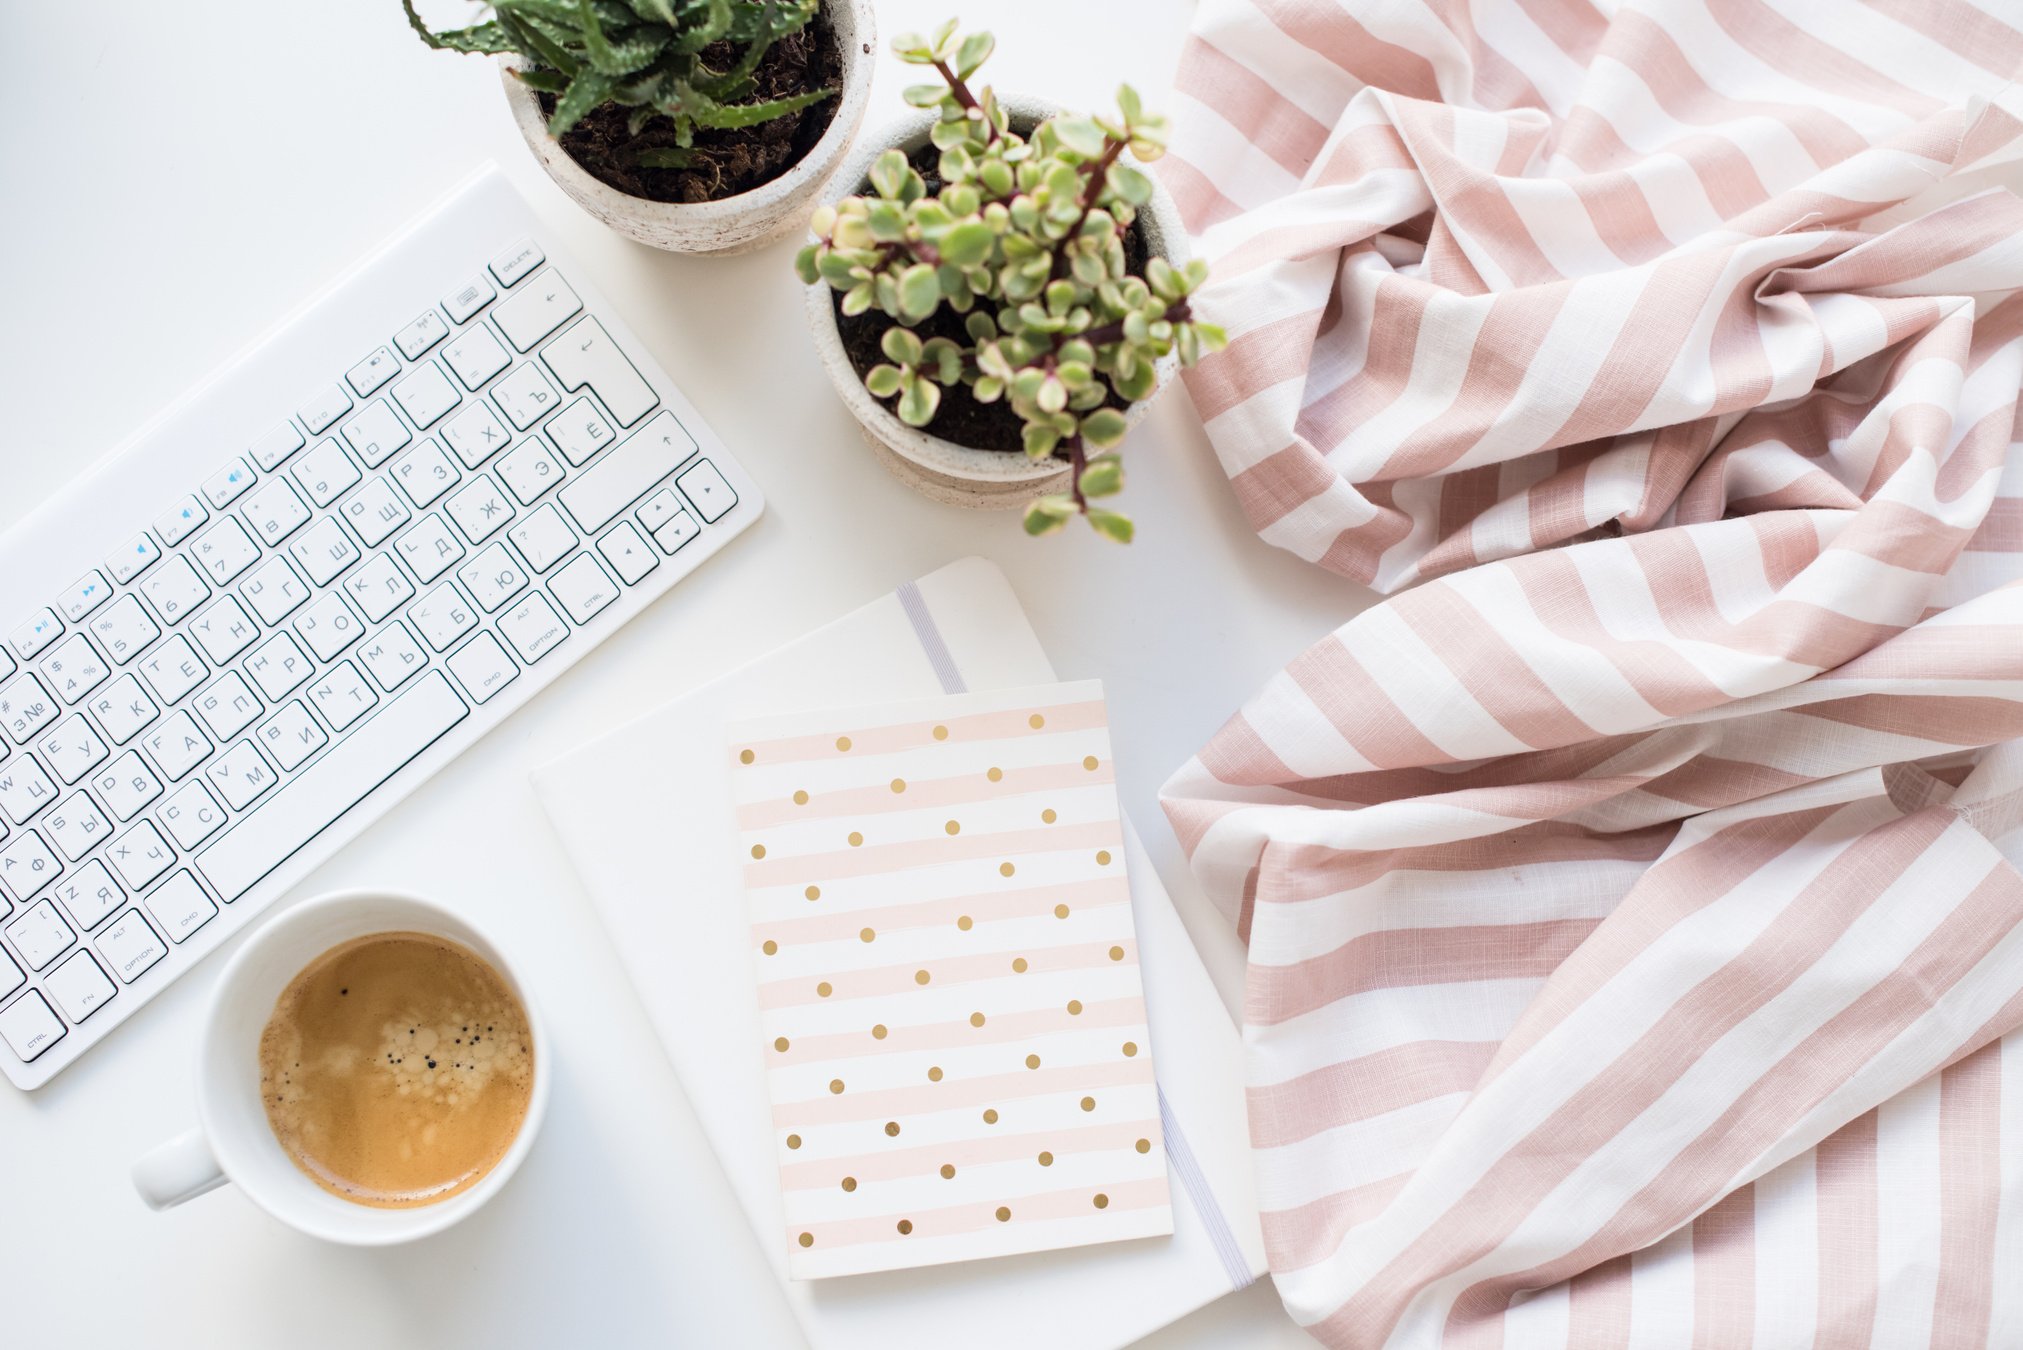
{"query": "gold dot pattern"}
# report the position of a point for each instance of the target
(780, 1043)
(771, 948)
(813, 892)
(868, 935)
(824, 989)
(1143, 1146)
(1005, 869)
(856, 839)
(941, 733)
(934, 1074)
(1088, 1103)
(1102, 1201)
(905, 1227)
(965, 923)
(1130, 1049)
(953, 827)
(1004, 1214)
(836, 1086)
(1074, 1007)
(1032, 1061)
(807, 1239)
(892, 1128)
(1103, 858)
(948, 1171)
(746, 756)
(1019, 965)
(921, 977)
(1049, 816)
(995, 775)
(878, 1033)
(801, 797)
(1089, 763)
(1116, 953)
(1036, 721)
(842, 742)
(849, 1183)
(1060, 911)
(1046, 1160)
(899, 785)
(793, 1141)
(976, 1019)
(990, 1115)
(758, 850)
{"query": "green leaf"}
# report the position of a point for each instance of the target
(1040, 439)
(805, 266)
(887, 220)
(1133, 186)
(716, 23)
(1103, 428)
(980, 327)
(1111, 525)
(655, 11)
(1049, 514)
(485, 38)
(621, 58)
(537, 45)
(967, 244)
(919, 291)
(837, 270)
(857, 299)
(987, 389)
(902, 345)
(1214, 337)
(585, 92)
(888, 173)
(733, 115)
(1081, 135)
(882, 381)
(1103, 477)
(1137, 384)
(1165, 282)
(547, 81)
(924, 95)
(913, 49)
(918, 402)
(974, 51)
(1128, 103)
(942, 359)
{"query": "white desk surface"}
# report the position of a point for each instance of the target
(179, 176)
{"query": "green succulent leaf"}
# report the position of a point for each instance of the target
(924, 95)
(1104, 428)
(585, 92)
(919, 291)
(1040, 439)
(967, 244)
(1111, 525)
(857, 299)
(974, 51)
(918, 401)
(888, 173)
(1128, 183)
(1049, 514)
(882, 381)
(901, 345)
(1081, 135)
(1102, 477)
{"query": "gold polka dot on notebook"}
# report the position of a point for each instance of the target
(856, 839)
(1143, 1146)
(1049, 816)
(1036, 721)
(941, 733)
(781, 1043)
(825, 989)
(878, 1033)
(1060, 911)
(934, 1074)
(800, 796)
(1130, 1049)
(1089, 763)
(842, 742)
(965, 923)
(892, 1127)
(1018, 965)
(1005, 869)
(1102, 1201)
(813, 892)
(921, 977)
(995, 775)
(793, 1141)
(1032, 1061)
(953, 827)
(905, 1226)
(899, 785)
(849, 1183)
(1088, 1103)
(1074, 1007)
(771, 948)
(867, 934)
(1003, 1214)
(1103, 857)
(990, 1115)
(1116, 953)
(746, 757)
(807, 1239)
(1046, 1160)
(836, 1086)
(758, 850)
(948, 1171)
(976, 1019)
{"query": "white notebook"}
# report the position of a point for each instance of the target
(622, 804)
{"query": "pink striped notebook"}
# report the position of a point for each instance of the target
(951, 1009)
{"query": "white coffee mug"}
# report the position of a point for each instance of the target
(233, 1141)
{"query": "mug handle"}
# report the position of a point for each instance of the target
(176, 1170)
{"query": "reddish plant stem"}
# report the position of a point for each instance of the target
(964, 97)
(1097, 169)
(1077, 461)
(1177, 312)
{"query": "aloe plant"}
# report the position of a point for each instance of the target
(1026, 238)
(646, 55)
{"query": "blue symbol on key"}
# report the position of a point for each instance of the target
(232, 477)
(186, 513)
(89, 589)
(140, 548)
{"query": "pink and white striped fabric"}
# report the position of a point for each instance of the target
(1636, 941)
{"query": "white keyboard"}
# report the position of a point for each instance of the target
(234, 644)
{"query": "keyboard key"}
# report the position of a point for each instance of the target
(228, 706)
(84, 595)
(40, 935)
(425, 395)
(429, 548)
(328, 626)
(704, 486)
(25, 708)
(27, 865)
(122, 709)
(602, 492)
(475, 434)
(325, 473)
(378, 588)
(392, 657)
(73, 668)
(422, 334)
(331, 786)
(224, 630)
(129, 946)
(542, 538)
(374, 512)
(24, 788)
(176, 746)
(77, 826)
(482, 667)
(323, 407)
(676, 532)
(174, 591)
(372, 372)
(275, 511)
(279, 666)
(529, 315)
(526, 396)
(193, 814)
(181, 907)
(425, 474)
(583, 587)
(375, 434)
(180, 521)
(492, 578)
(586, 357)
(531, 470)
(627, 553)
(225, 550)
(11, 977)
(274, 590)
(79, 987)
(442, 616)
(72, 748)
(323, 550)
(126, 786)
(29, 1027)
(516, 262)
(475, 355)
(580, 431)
(239, 775)
(134, 558)
(468, 299)
(225, 486)
(273, 447)
(342, 696)
(89, 894)
(41, 628)
(173, 669)
(123, 628)
(141, 854)
(480, 509)
(533, 627)
(657, 510)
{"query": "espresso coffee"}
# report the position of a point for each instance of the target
(396, 1069)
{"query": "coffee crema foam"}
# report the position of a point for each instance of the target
(396, 1069)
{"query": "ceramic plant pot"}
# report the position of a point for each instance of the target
(940, 469)
(733, 224)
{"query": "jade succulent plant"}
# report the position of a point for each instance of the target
(1026, 237)
(652, 56)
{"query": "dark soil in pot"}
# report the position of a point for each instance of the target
(726, 162)
(960, 418)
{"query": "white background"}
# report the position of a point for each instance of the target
(175, 178)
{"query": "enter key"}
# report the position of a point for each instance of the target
(585, 355)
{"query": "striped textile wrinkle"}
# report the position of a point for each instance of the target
(1635, 931)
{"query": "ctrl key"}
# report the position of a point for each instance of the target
(129, 946)
(29, 1027)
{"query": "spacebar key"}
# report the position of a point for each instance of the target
(370, 755)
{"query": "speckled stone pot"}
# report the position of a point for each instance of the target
(733, 224)
(938, 469)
